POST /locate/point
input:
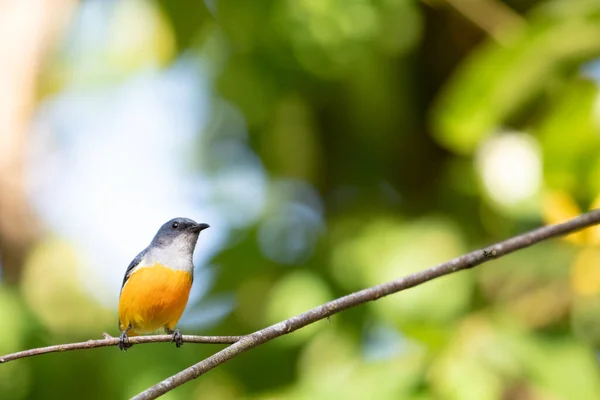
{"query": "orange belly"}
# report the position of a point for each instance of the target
(152, 298)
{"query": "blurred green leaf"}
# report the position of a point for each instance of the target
(501, 80)
(187, 18)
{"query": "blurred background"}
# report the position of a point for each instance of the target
(331, 145)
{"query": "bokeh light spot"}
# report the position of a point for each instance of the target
(510, 167)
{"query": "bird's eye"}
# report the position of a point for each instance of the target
(175, 225)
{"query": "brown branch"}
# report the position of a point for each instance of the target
(113, 341)
(466, 261)
(493, 17)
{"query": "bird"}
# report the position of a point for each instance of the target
(157, 283)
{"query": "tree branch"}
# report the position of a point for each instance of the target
(34, 24)
(113, 341)
(493, 17)
(466, 261)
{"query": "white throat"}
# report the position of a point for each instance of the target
(177, 255)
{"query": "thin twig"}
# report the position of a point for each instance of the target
(466, 261)
(113, 341)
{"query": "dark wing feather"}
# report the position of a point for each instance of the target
(130, 269)
(132, 265)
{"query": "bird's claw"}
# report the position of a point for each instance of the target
(124, 341)
(177, 338)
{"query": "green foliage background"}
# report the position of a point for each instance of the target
(385, 107)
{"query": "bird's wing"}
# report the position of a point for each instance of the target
(132, 266)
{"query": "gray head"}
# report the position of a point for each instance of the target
(173, 245)
(181, 233)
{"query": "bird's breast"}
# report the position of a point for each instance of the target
(153, 297)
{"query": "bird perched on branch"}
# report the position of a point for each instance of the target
(157, 283)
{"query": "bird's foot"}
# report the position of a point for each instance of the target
(177, 338)
(124, 341)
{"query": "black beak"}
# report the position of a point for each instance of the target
(199, 227)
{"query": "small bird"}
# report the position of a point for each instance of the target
(157, 283)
